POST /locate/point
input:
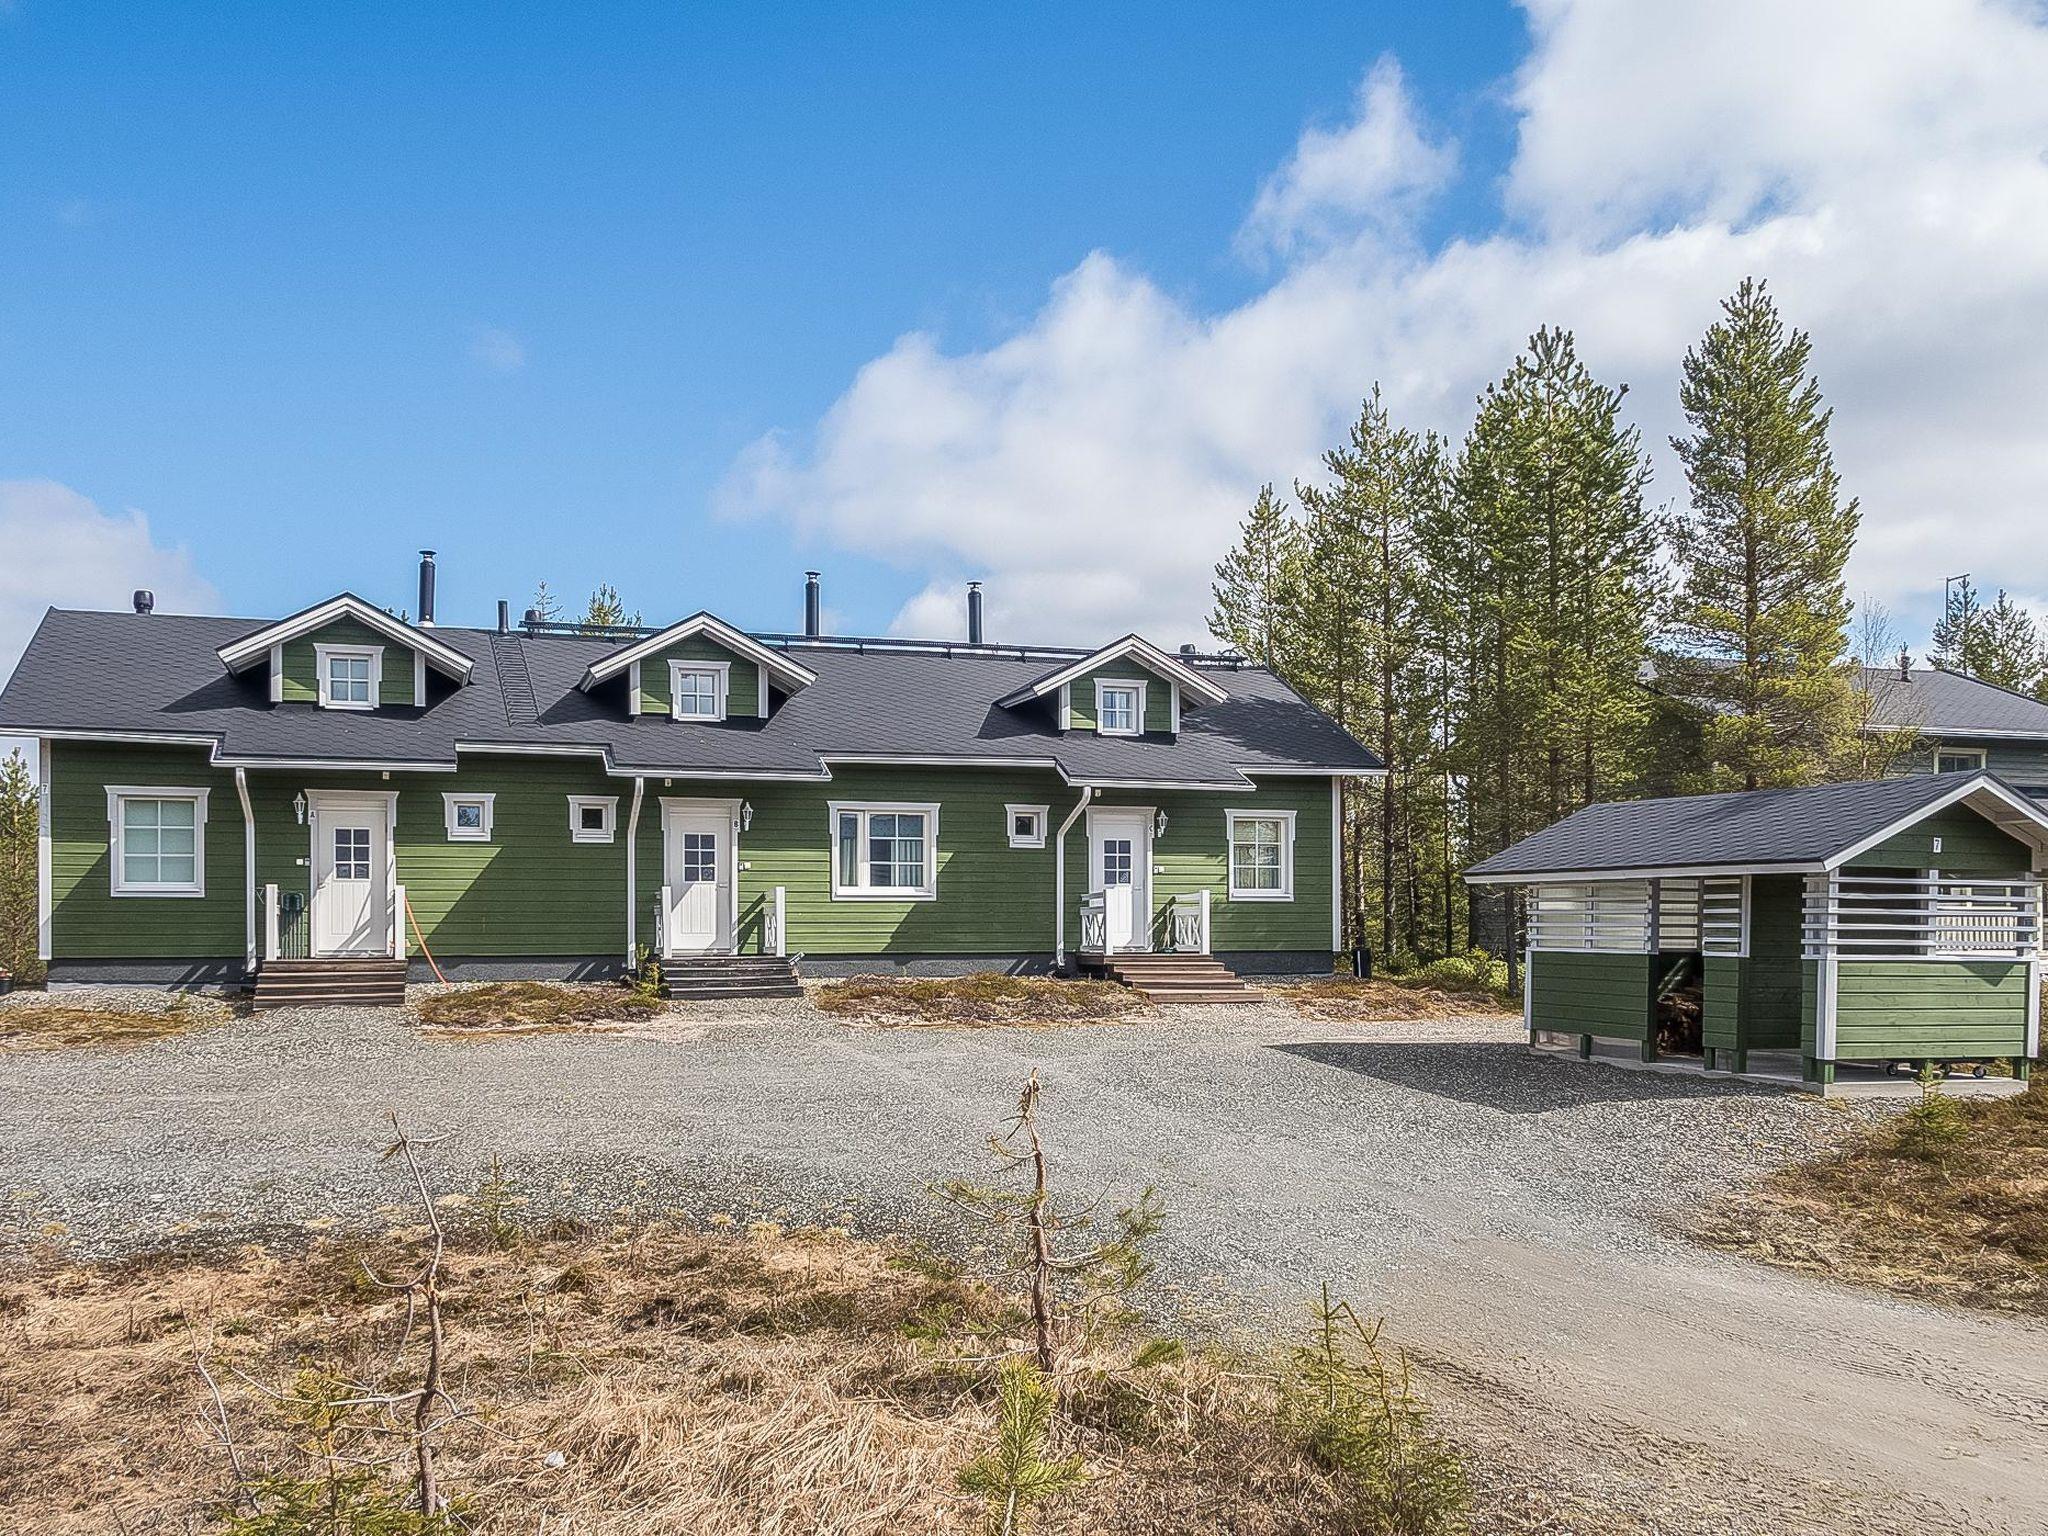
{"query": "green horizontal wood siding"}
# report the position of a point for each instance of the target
(1607, 996)
(1930, 1008)
(1158, 697)
(1970, 845)
(1721, 1003)
(87, 920)
(743, 680)
(2021, 762)
(1771, 973)
(302, 663)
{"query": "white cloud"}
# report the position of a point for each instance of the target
(1882, 165)
(498, 350)
(64, 552)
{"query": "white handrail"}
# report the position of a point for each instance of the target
(661, 924)
(270, 922)
(778, 922)
(1189, 933)
(398, 922)
(1094, 924)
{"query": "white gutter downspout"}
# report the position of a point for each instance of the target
(248, 867)
(632, 877)
(1059, 879)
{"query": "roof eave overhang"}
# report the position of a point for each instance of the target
(1150, 656)
(240, 655)
(1640, 872)
(791, 674)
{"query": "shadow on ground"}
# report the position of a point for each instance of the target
(1508, 1078)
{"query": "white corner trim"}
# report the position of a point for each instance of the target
(680, 667)
(633, 867)
(375, 656)
(116, 793)
(1107, 685)
(761, 690)
(929, 891)
(1231, 817)
(450, 799)
(46, 910)
(419, 679)
(277, 673)
(1066, 706)
(248, 867)
(608, 804)
(633, 691)
(1337, 876)
(1010, 815)
(1173, 708)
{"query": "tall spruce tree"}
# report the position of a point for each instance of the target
(2000, 644)
(1762, 608)
(1254, 586)
(1956, 631)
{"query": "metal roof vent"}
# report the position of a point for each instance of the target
(145, 600)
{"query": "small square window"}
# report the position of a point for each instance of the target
(1119, 708)
(349, 675)
(1959, 760)
(1026, 825)
(469, 816)
(1261, 855)
(697, 690)
(591, 818)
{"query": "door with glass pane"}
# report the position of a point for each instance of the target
(351, 880)
(1120, 867)
(699, 880)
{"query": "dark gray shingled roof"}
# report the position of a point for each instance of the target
(1793, 828)
(157, 674)
(1950, 704)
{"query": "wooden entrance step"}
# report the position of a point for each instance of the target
(338, 983)
(711, 978)
(1174, 978)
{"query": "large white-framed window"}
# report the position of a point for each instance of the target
(157, 839)
(884, 851)
(351, 676)
(1261, 855)
(469, 816)
(1119, 707)
(1025, 824)
(697, 689)
(593, 818)
(1958, 759)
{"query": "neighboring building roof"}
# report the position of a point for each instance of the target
(157, 676)
(1754, 830)
(243, 652)
(1942, 704)
(1147, 655)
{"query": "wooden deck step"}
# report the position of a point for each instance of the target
(725, 978)
(344, 982)
(1174, 978)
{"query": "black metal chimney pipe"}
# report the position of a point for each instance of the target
(811, 619)
(504, 616)
(427, 588)
(974, 613)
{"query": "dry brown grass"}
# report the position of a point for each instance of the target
(56, 1026)
(1382, 1000)
(981, 999)
(531, 1007)
(1966, 1224)
(687, 1384)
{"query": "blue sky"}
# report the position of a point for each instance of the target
(311, 286)
(689, 299)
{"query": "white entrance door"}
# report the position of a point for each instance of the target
(698, 874)
(1120, 868)
(351, 880)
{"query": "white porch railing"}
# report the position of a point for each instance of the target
(1094, 924)
(1188, 924)
(270, 922)
(398, 921)
(661, 923)
(775, 923)
(1916, 917)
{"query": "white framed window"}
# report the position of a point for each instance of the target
(884, 851)
(469, 816)
(1261, 855)
(1959, 760)
(697, 689)
(1119, 707)
(351, 676)
(1025, 825)
(156, 840)
(592, 818)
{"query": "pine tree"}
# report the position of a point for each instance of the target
(1762, 607)
(2000, 645)
(1254, 584)
(19, 914)
(605, 611)
(546, 604)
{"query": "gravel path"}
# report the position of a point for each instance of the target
(1507, 1212)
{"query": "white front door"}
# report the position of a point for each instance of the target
(697, 869)
(1120, 868)
(351, 879)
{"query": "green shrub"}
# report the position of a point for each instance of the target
(1933, 1129)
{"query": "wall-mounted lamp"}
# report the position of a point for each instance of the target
(299, 806)
(746, 815)
(1159, 824)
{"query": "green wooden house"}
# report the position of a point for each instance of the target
(1895, 921)
(326, 800)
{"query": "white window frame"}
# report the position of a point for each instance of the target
(1286, 820)
(1941, 751)
(720, 672)
(119, 885)
(1040, 814)
(1133, 686)
(450, 800)
(374, 654)
(578, 804)
(866, 809)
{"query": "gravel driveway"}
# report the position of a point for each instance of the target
(1506, 1212)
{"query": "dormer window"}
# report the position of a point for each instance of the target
(349, 675)
(697, 689)
(1119, 708)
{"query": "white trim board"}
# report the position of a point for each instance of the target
(240, 655)
(713, 628)
(1166, 666)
